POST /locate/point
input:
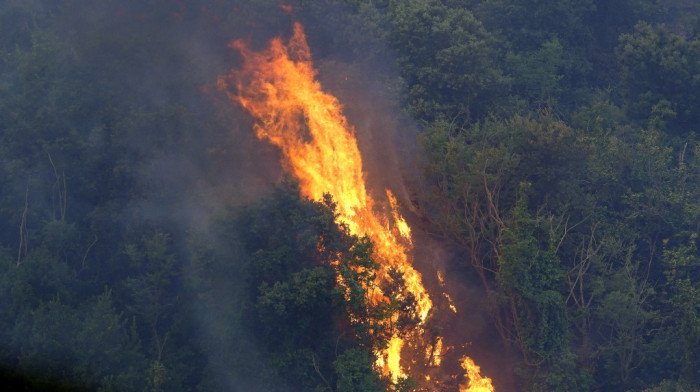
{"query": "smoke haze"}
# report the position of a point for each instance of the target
(177, 152)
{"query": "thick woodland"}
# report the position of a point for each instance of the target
(148, 241)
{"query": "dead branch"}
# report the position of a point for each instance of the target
(318, 371)
(82, 264)
(60, 187)
(23, 234)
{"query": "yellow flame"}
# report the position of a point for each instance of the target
(393, 357)
(437, 352)
(400, 222)
(476, 382)
(450, 303)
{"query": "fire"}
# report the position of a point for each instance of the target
(476, 383)
(436, 352)
(391, 358)
(450, 303)
(401, 224)
(278, 87)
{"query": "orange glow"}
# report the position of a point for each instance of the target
(401, 224)
(391, 358)
(278, 87)
(450, 303)
(476, 382)
(437, 352)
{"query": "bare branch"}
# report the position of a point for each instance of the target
(86, 253)
(23, 234)
(318, 371)
(60, 187)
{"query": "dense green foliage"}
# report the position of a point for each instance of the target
(292, 324)
(560, 161)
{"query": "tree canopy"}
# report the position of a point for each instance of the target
(149, 242)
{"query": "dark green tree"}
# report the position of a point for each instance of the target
(660, 76)
(305, 304)
(531, 275)
(448, 60)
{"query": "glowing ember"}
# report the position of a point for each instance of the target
(278, 87)
(450, 303)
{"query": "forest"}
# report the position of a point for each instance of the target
(150, 242)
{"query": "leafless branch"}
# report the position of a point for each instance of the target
(318, 371)
(23, 234)
(60, 187)
(86, 253)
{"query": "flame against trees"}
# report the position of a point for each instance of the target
(278, 87)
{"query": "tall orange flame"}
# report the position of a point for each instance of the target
(476, 383)
(278, 87)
